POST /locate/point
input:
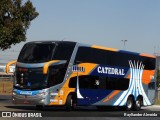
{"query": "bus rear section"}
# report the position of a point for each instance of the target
(59, 73)
(111, 77)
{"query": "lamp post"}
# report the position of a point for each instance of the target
(124, 42)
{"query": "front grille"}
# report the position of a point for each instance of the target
(28, 97)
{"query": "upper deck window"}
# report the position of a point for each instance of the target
(36, 53)
(63, 51)
(43, 52)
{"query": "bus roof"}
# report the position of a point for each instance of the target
(97, 47)
(54, 41)
(124, 51)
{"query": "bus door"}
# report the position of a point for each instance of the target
(90, 90)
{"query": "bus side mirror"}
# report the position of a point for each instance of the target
(46, 65)
(9, 64)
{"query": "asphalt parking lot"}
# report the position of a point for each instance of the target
(147, 112)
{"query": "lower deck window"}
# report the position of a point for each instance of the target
(96, 82)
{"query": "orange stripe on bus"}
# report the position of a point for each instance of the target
(147, 76)
(88, 68)
(104, 48)
(63, 97)
(129, 76)
(112, 95)
(148, 55)
(45, 67)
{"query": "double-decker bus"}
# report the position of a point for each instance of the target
(64, 73)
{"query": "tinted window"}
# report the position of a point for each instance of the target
(73, 82)
(93, 55)
(63, 51)
(117, 83)
(36, 53)
(33, 78)
(87, 54)
(151, 85)
(88, 82)
(56, 74)
(94, 82)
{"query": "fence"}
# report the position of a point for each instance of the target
(6, 84)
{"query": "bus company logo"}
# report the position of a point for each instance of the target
(111, 70)
(26, 93)
(76, 68)
(136, 71)
(6, 114)
(21, 114)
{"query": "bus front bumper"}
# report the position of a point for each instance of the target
(39, 99)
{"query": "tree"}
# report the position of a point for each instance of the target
(15, 19)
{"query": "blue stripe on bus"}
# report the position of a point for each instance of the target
(91, 96)
(129, 89)
(133, 53)
(24, 92)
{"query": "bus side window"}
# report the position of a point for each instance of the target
(73, 82)
(113, 83)
(91, 55)
(56, 74)
(88, 82)
(151, 86)
(102, 83)
(83, 82)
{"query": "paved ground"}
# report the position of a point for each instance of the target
(86, 112)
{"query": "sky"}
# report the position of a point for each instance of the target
(100, 22)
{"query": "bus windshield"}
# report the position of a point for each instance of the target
(36, 53)
(32, 79)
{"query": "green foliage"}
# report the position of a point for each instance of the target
(15, 19)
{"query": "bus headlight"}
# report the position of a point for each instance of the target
(13, 93)
(41, 94)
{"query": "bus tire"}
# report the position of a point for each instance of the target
(129, 104)
(138, 104)
(70, 103)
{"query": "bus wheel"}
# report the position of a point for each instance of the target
(39, 107)
(70, 103)
(129, 104)
(138, 104)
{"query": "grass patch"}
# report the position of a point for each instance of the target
(6, 87)
(157, 102)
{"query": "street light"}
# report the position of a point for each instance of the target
(124, 42)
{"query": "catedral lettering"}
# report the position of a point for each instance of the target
(109, 70)
(65, 73)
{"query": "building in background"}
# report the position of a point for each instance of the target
(3, 70)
